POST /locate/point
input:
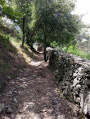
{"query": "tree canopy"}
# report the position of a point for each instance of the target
(43, 21)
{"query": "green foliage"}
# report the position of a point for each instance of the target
(87, 56)
(61, 25)
(5, 40)
(45, 21)
(54, 44)
(45, 17)
(76, 51)
(10, 13)
(2, 2)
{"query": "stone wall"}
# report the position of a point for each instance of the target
(73, 76)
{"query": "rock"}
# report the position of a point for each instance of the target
(54, 103)
(34, 75)
(8, 110)
(20, 111)
(10, 92)
(0, 110)
(28, 106)
(73, 76)
(31, 104)
(1, 107)
(12, 116)
(78, 100)
(80, 70)
(15, 100)
(5, 117)
(78, 86)
(16, 92)
(86, 108)
(76, 81)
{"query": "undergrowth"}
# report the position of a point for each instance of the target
(72, 48)
(76, 51)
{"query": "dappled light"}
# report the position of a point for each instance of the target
(35, 63)
(44, 59)
(35, 95)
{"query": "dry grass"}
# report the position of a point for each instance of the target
(25, 52)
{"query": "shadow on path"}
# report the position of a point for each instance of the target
(34, 95)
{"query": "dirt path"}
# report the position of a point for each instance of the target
(34, 95)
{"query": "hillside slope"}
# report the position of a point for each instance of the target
(13, 58)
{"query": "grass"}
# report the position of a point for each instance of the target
(22, 51)
(76, 51)
(13, 58)
(72, 49)
(5, 40)
(14, 44)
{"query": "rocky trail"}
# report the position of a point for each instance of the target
(35, 95)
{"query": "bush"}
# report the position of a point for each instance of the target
(76, 51)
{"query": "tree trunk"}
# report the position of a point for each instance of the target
(45, 47)
(45, 35)
(27, 38)
(23, 40)
(32, 48)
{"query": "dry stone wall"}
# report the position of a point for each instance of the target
(73, 76)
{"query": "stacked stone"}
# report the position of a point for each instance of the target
(73, 76)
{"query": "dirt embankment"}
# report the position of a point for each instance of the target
(11, 63)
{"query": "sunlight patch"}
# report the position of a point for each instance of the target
(35, 63)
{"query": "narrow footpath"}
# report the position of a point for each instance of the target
(35, 95)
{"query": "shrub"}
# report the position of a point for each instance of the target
(76, 51)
